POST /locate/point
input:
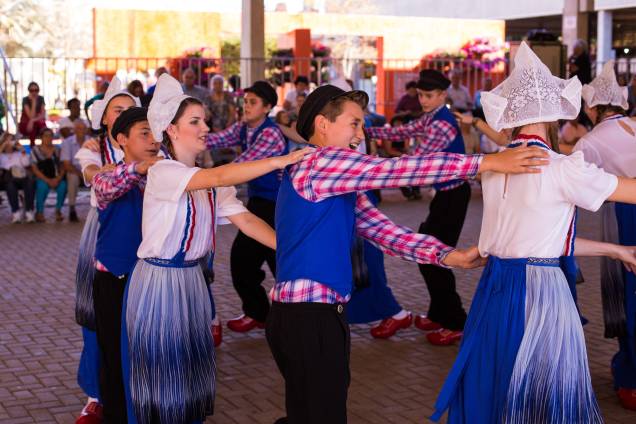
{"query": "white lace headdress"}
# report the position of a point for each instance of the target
(165, 102)
(531, 94)
(99, 106)
(604, 89)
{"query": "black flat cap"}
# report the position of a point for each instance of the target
(430, 79)
(128, 118)
(265, 91)
(317, 100)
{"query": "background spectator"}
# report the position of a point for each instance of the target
(67, 124)
(479, 110)
(15, 164)
(158, 72)
(70, 147)
(33, 117)
(409, 103)
(136, 88)
(579, 64)
(220, 104)
(190, 88)
(458, 94)
(301, 86)
(293, 114)
(282, 118)
(49, 174)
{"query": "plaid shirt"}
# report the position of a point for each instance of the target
(431, 136)
(111, 185)
(270, 142)
(333, 171)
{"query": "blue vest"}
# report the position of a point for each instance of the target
(119, 234)
(265, 187)
(456, 146)
(314, 239)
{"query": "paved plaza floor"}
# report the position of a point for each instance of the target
(394, 381)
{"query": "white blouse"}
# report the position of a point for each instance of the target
(530, 215)
(176, 220)
(610, 147)
(86, 158)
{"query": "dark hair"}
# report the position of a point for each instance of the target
(604, 110)
(334, 107)
(134, 84)
(398, 118)
(31, 84)
(301, 79)
(45, 130)
(73, 100)
(411, 84)
(180, 111)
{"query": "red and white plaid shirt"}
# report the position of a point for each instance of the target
(111, 185)
(431, 135)
(332, 171)
(270, 142)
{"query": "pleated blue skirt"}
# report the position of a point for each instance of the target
(168, 356)
(624, 362)
(84, 308)
(523, 356)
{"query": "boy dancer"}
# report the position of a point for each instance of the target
(320, 208)
(437, 131)
(119, 196)
(259, 138)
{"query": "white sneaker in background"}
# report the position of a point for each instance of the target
(17, 217)
(30, 216)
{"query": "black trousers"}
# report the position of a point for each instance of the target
(311, 344)
(108, 296)
(445, 221)
(246, 260)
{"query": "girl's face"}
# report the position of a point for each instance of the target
(34, 90)
(188, 134)
(47, 138)
(115, 107)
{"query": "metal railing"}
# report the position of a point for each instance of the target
(9, 94)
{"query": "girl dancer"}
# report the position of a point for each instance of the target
(167, 348)
(104, 113)
(523, 357)
(611, 145)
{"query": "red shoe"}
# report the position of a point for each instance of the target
(425, 324)
(444, 337)
(217, 334)
(389, 326)
(243, 324)
(627, 398)
(91, 414)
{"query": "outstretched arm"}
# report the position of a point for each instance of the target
(255, 228)
(625, 191)
(625, 254)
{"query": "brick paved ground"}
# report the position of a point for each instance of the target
(394, 381)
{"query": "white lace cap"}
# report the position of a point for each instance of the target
(531, 94)
(604, 89)
(165, 102)
(99, 106)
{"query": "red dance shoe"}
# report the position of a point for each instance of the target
(627, 398)
(217, 334)
(444, 337)
(425, 324)
(243, 324)
(91, 414)
(389, 326)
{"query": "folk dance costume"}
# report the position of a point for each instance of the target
(611, 145)
(88, 371)
(438, 131)
(248, 255)
(523, 356)
(167, 348)
(320, 207)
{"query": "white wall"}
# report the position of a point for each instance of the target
(613, 4)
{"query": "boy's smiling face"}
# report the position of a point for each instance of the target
(346, 131)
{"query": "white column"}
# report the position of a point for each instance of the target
(252, 41)
(604, 50)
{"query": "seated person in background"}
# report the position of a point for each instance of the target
(70, 147)
(15, 163)
(67, 123)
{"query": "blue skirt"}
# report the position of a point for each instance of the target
(624, 362)
(375, 302)
(84, 308)
(523, 356)
(168, 356)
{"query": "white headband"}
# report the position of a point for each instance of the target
(165, 102)
(99, 106)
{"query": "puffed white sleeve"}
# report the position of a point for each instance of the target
(168, 179)
(584, 184)
(86, 158)
(227, 204)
